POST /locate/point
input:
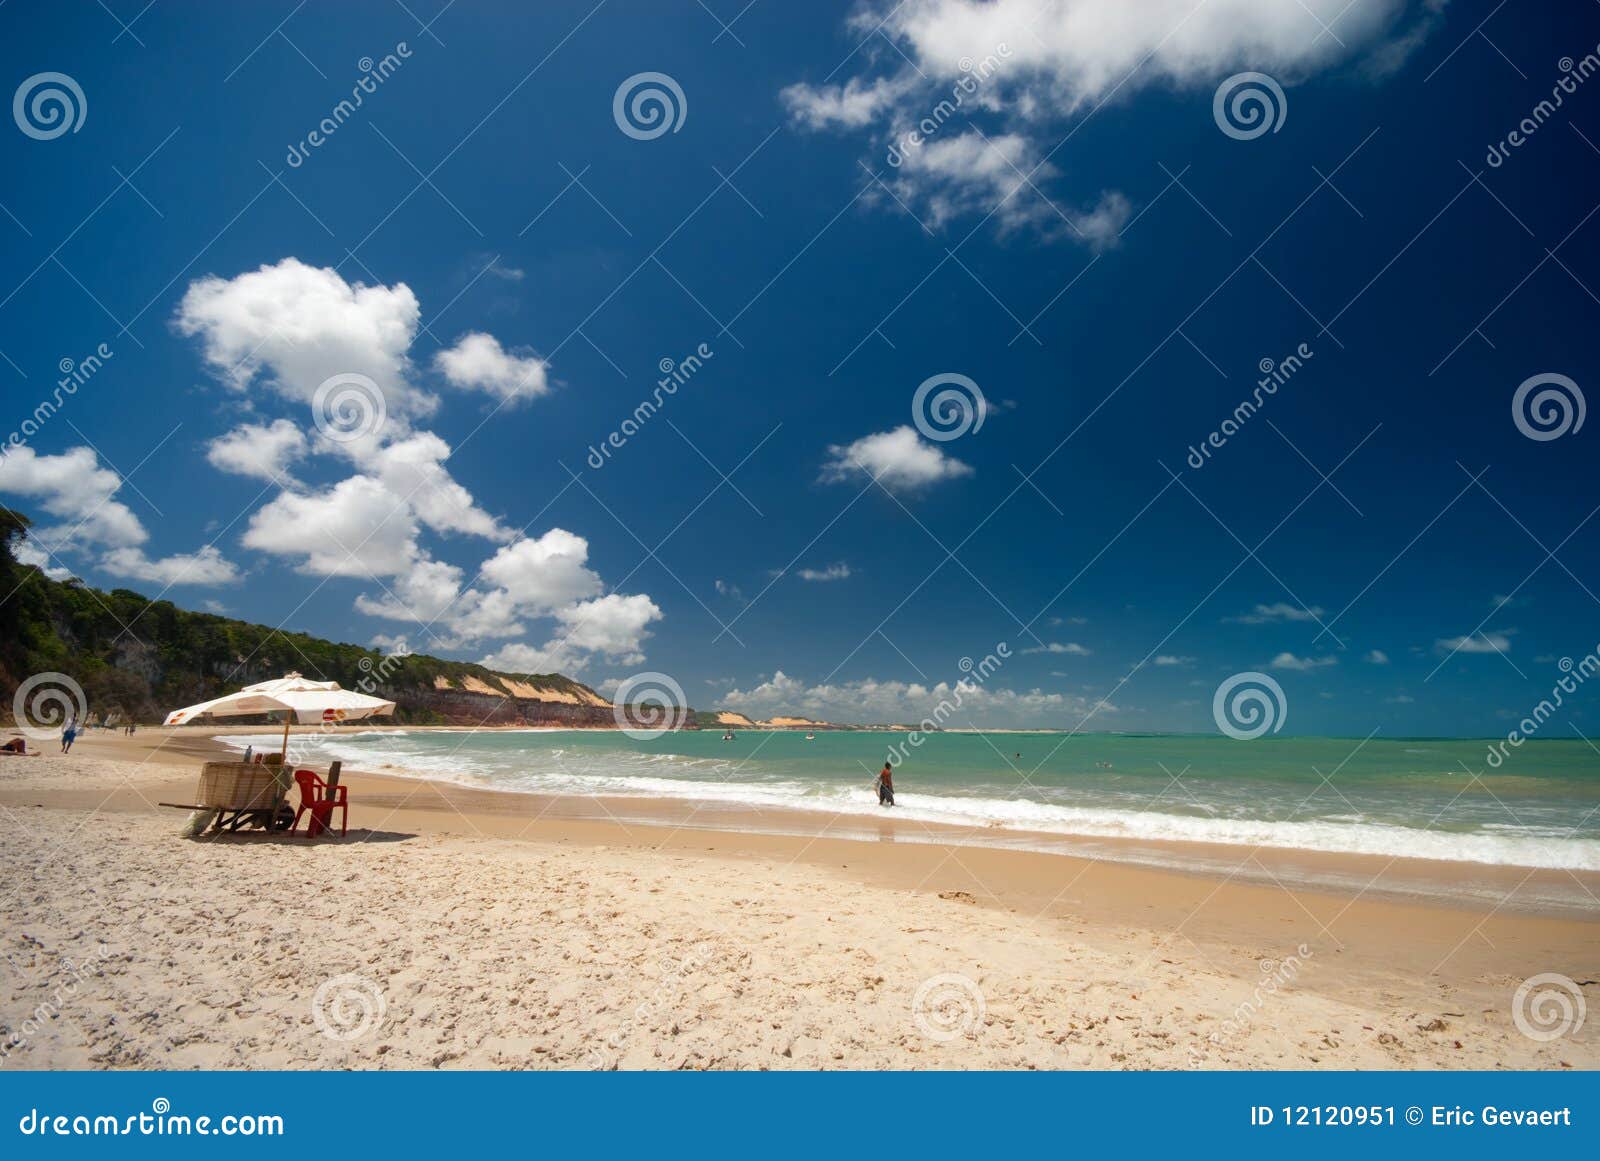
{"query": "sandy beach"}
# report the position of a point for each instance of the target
(467, 928)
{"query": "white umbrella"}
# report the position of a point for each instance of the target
(298, 698)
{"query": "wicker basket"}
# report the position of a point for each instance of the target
(236, 786)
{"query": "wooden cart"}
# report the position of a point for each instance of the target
(240, 794)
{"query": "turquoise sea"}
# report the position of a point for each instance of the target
(1410, 797)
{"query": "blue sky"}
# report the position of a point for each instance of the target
(489, 246)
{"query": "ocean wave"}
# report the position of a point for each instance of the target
(578, 772)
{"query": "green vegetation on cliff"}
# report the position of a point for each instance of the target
(140, 658)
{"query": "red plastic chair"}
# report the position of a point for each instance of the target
(320, 801)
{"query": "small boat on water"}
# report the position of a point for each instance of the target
(728, 737)
(811, 737)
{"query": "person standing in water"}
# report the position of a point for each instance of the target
(886, 786)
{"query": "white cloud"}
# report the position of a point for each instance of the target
(295, 325)
(1043, 61)
(205, 567)
(76, 488)
(900, 460)
(973, 173)
(897, 702)
(263, 451)
(478, 362)
(290, 327)
(1277, 613)
(1377, 657)
(424, 592)
(1400, 699)
(1302, 664)
(413, 470)
(544, 574)
(355, 528)
(1168, 659)
(833, 572)
(613, 625)
(1071, 647)
(1494, 641)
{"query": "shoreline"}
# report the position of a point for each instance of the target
(1519, 887)
(1058, 943)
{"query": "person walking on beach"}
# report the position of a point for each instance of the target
(68, 735)
(886, 786)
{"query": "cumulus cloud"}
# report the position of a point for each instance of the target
(478, 362)
(900, 460)
(294, 326)
(613, 625)
(74, 487)
(1018, 68)
(205, 567)
(290, 327)
(1377, 657)
(1169, 659)
(1071, 647)
(259, 450)
(544, 574)
(898, 702)
(355, 528)
(1302, 664)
